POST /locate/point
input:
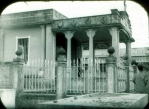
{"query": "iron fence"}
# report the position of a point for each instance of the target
(39, 76)
(131, 75)
(121, 77)
(87, 79)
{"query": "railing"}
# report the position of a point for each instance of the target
(121, 77)
(87, 79)
(131, 74)
(39, 76)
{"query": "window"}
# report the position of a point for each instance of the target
(23, 44)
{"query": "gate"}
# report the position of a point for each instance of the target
(38, 83)
(39, 77)
(87, 79)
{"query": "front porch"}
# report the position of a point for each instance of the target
(63, 71)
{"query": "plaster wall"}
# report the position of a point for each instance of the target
(10, 42)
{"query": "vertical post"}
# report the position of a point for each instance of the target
(43, 40)
(126, 64)
(49, 46)
(18, 78)
(1, 45)
(90, 34)
(128, 51)
(111, 72)
(115, 40)
(68, 35)
(81, 50)
(61, 75)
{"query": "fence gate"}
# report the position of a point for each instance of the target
(87, 79)
(38, 83)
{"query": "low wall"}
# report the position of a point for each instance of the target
(6, 75)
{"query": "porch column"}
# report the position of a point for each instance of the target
(43, 44)
(115, 40)
(68, 35)
(1, 46)
(128, 51)
(90, 34)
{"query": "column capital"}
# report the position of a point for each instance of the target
(68, 34)
(113, 28)
(90, 32)
(127, 42)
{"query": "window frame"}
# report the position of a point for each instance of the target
(22, 37)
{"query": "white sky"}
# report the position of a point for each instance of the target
(137, 15)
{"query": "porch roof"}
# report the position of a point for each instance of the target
(119, 19)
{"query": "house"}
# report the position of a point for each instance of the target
(39, 33)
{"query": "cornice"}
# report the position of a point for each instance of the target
(30, 18)
(117, 17)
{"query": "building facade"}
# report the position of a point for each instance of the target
(39, 33)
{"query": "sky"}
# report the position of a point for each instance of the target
(137, 14)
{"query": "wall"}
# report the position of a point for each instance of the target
(5, 75)
(10, 42)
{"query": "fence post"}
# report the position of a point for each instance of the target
(18, 77)
(61, 74)
(111, 71)
(126, 64)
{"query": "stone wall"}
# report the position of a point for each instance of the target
(6, 76)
